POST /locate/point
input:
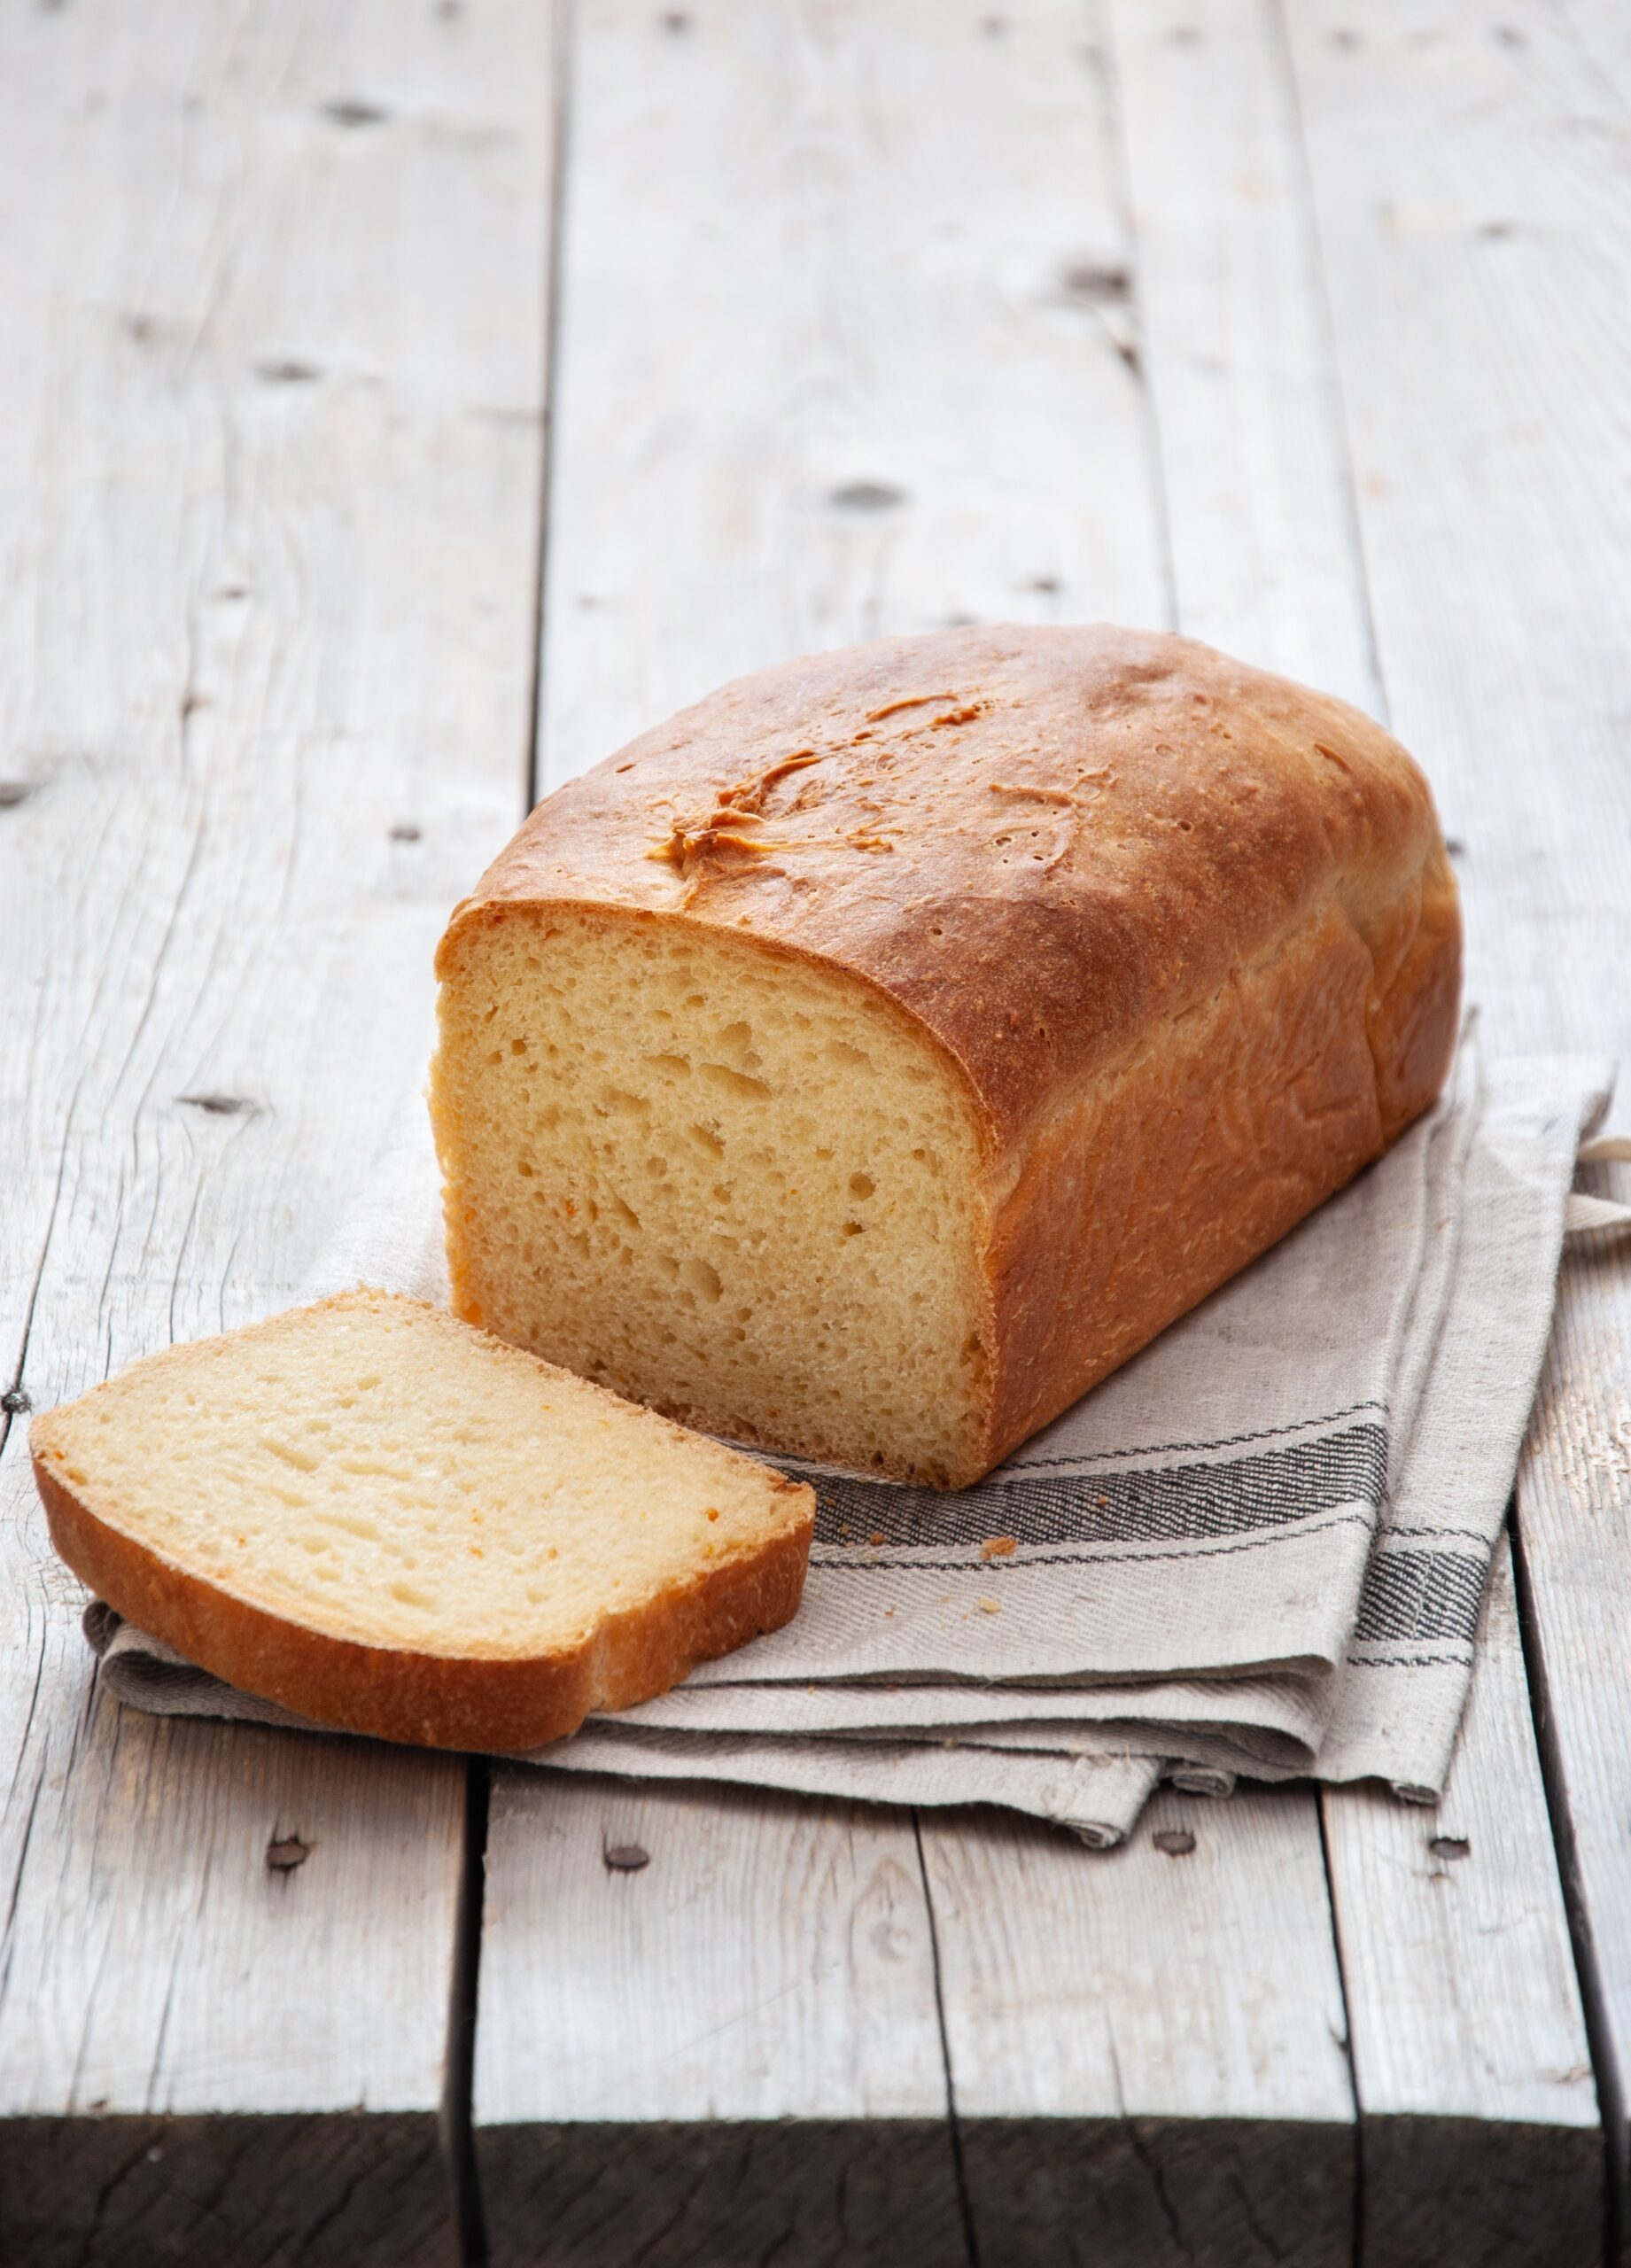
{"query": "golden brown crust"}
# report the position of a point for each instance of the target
(430, 1700)
(1063, 854)
(1177, 1172)
(1042, 843)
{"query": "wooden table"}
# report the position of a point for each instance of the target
(400, 404)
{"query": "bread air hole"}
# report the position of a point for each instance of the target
(736, 1082)
(700, 1279)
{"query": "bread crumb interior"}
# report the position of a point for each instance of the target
(725, 1182)
(379, 1471)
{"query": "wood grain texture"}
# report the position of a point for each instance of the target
(727, 2050)
(1459, 1980)
(1107, 2024)
(810, 2192)
(270, 362)
(855, 370)
(1467, 165)
(1482, 2139)
(869, 364)
(327, 2189)
(1160, 2192)
(1235, 344)
(1574, 1500)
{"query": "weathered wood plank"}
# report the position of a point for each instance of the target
(867, 363)
(1235, 344)
(1459, 1984)
(852, 371)
(1148, 2050)
(256, 2191)
(270, 363)
(1481, 2136)
(1573, 1493)
(724, 2052)
(1467, 165)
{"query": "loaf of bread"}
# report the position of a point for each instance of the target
(869, 1060)
(391, 1523)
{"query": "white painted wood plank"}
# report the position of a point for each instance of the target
(864, 364)
(271, 366)
(849, 368)
(1482, 2138)
(721, 1992)
(1132, 2011)
(1574, 1496)
(1468, 2012)
(1468, 169)
(1235, 344)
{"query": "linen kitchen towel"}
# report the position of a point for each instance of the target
(1259, 1548)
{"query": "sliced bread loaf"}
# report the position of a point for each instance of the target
(389, 1521)
(868, 1060)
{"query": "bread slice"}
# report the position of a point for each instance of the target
(869, 1060)
(394, 1523)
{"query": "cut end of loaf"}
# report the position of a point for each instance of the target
(387, 1521)
(730, 1183)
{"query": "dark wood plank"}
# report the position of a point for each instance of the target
(1162, 2193)
(806, 2192)
(119, 2191)
(1492, 2193)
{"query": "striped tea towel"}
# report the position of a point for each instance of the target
(1259, 1549)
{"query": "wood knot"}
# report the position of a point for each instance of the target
(625, 1858)
(217, 1106)
(284, 1856)
(1101, 285)
(1450, 1847)
(867, 496)
(15, 1402)
(348, 110)
(1176, 1842)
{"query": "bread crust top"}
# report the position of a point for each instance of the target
(1041, 844)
